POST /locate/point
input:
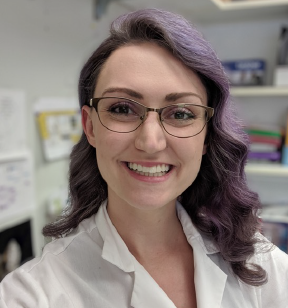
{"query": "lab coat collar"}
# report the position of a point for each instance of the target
(114, 250)
(209, 278)
(146, 291)
(192, 233)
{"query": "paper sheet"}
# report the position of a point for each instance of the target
(12, 121)
(59, 123)
(16, 187)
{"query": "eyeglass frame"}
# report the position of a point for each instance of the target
(93, 102)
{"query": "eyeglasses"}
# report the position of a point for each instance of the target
(124, 115)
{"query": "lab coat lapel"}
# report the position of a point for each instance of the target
(209, 279)
(146, 292)
(114, 249)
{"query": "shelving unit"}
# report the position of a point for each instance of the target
(259, 7)
(277, 170)
(269, 180)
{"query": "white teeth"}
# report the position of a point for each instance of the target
(158, 170)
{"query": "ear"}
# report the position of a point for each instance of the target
(87, 124)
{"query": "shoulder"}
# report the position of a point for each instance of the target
(275, 262)
(43, 280)
(271, 258)
(20, 289)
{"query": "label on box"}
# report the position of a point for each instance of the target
(245, 72)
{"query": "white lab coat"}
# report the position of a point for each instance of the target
(92, 267)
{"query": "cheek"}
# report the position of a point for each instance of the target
(193, 149)
(109, 148)
(104, 139)
(191, 153)
(105, 147)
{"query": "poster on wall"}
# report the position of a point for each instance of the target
(16, 187)
(12, 121)
(59, 124)
(16, 163)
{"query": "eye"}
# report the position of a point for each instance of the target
(183, 115)
(178, 113)
(121, 108)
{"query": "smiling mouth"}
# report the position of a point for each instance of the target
(158, 170)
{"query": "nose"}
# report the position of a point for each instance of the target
(151, 136)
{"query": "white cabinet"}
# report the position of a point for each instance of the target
(255, 103)
(266, 96)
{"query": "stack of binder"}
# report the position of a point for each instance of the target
(285, 146)
(265, 144)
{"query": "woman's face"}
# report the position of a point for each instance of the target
(150, 75)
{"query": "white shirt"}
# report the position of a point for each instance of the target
(92, 267)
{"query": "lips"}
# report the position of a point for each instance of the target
(156, 170)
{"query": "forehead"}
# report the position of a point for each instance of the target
(148, 68)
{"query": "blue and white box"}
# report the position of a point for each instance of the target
(249, 72)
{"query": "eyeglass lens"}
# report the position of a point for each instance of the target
(124, 115)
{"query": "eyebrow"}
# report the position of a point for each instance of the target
(172, 97)
(130, 92)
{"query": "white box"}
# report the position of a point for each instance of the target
(281, 76)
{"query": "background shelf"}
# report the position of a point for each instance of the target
(11, 156)
(260, 91)
(231, 5)
(267, 169)
(275, 218)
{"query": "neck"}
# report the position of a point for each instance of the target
(147, 233)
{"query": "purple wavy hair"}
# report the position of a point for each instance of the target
(219, 202)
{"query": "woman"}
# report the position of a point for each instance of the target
(160, 213)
